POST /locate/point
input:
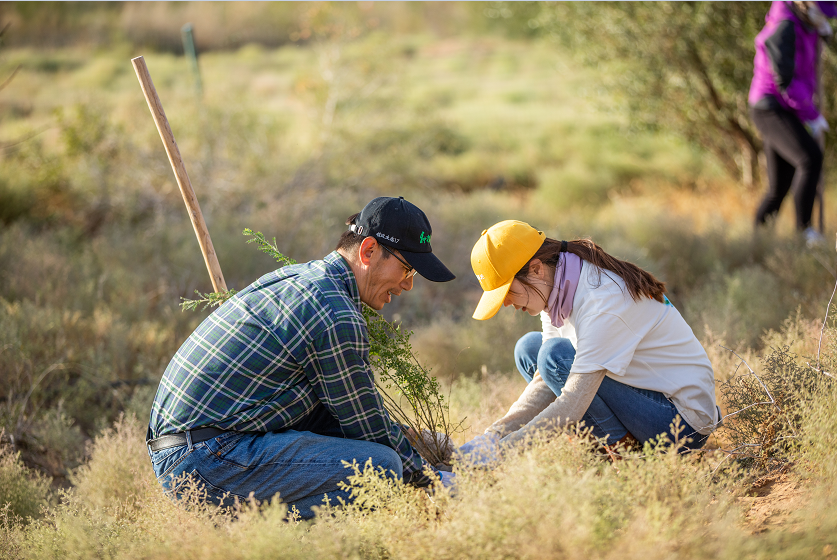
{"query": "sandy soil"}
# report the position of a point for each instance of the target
(772, 503)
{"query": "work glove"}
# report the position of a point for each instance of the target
(818, 127)
(448, 479)
(482, 449)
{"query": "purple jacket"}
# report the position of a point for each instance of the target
(786, 64)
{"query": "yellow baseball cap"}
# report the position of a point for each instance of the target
(500, 253)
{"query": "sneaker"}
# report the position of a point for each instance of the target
(813, 238)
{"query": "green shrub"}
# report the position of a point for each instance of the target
(22, 492)
(119, 471)
(62, 442)
(15, 203)
(11, 534)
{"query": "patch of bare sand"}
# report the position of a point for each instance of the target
(772, 503)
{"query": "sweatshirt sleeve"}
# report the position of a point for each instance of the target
(785, 62)
(781, 50)
(567, 409)
(534, 399)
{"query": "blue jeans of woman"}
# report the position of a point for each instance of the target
(617, 409)
(300, 467)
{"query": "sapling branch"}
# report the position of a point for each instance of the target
(211, 299)
(267, 247)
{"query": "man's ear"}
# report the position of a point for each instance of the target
(367, 248)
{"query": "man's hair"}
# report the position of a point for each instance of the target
(349, 241)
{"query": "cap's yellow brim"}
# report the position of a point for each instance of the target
(491, 302)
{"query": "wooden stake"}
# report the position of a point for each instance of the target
(179, 169)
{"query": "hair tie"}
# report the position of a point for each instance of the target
(563, 247)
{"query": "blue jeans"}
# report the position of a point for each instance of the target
(302, 467)
(617, 409)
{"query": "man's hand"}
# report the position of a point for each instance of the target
(482, 449)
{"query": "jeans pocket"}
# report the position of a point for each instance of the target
(158, 457)
(221, 445)
(209, 492)
(236, 450)
(169, 461)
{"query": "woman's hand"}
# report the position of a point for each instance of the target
(482, 449)
(818, 128)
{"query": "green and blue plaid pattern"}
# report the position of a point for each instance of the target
(264, 359)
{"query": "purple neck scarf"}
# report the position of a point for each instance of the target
(567, 275)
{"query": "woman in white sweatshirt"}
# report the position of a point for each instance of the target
(614, 353)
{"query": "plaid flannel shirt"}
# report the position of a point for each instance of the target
(265, 359)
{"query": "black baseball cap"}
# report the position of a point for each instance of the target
(401, 225)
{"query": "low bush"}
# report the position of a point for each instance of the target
(118, 472)
(23, 493)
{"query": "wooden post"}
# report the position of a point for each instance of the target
(179, 169)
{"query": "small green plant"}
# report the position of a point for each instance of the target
(426, 416)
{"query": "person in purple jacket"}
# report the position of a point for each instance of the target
(782, 106)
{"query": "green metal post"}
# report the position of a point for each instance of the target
(192, 54)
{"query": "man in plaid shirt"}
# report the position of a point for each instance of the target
(273, 391)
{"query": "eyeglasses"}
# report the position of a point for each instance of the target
(410, 270)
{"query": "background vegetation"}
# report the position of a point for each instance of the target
(578, 118)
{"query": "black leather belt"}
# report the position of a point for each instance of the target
(175, 440)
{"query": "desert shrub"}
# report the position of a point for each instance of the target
(820, 434)
(61, 444)
(551, 498)
(89, 363)
(36, 189)
(119, 470)
(767, 409)
(22, 492)
(15, 202)
(800, 335)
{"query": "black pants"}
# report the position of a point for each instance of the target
(794, 161)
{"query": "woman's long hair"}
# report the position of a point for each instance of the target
(639, 283)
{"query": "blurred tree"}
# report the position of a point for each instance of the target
(6, 80)
(682, 66)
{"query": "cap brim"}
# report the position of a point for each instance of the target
(429, 266)
(491, 302)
